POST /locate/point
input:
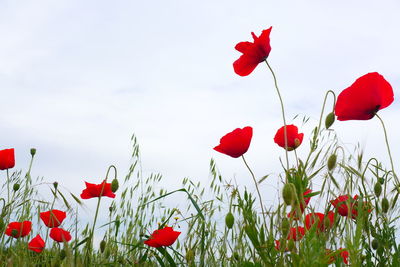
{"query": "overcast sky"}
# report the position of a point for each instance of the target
(78, 78)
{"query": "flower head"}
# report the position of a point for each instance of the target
(253, 53)
(60, 235)
(345, 255)
(7, 159)
(36, 244)
(97, 190)
(235, 143)
(323, 221)
(294, 138)
(162, 237)
(53, 218)
(364, 98)
(19, 229)
(346, 205)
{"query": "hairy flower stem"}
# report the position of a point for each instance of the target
(388, 148)
(258, 190)
(283, 116)
(98, 207)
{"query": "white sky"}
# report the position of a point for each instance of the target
(77, 78)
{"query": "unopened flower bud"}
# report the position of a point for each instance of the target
(291, 244)
(378, 189)
(229, 220)
(14, 232)
(332, 162)
(102, 245)
(63, 254)
(375, 244)
(189, 255)
(385, 205)
(114, 185)
(329, 120)
(381, 180)
(55, 184)
(16, 187)
(285, 227)
(287, 193)
(33, 151)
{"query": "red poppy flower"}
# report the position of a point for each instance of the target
(53, 218)
(162, 237)
(95, 190)
(320, 219)
(19, 229)
(253, 53)
(345, 255)
(36, 244)
(60, 235)
(235, 143)
(7, 159)
(296, 233)
(278, 246)
(343, 203)
(303, 205)
(294, 138)
(364, 98)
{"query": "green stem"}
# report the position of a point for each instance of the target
(8, 188)
(283, 114)
(258, 191)
(388, 148)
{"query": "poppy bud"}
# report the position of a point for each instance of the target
(114, 185)
(375, 244)
(55, 184)
(285, 226)
(381, 180)
(63, 254)
(378, 189)
(102, 245)
(189, 255)
(329, 120)
(287, 193)
(16, 187)
(229, 220)
(236, 256)
(110, 208)
(290, 244)
(14, 232)
(33, 151)
(385, 205)
(332, 162)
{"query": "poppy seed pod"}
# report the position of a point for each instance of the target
(285, 226)
(229, 220)
(288, 194)
(189, 255)
(102, 245)
(375, 244)
(291, 244)
(63, 254)
(332, 162)
(114, 185)
(385, 205)
(378, 189)
(16, 187)
(329, 120)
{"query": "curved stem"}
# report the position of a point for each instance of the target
(388, 148)
(258, 190)
(283, 114)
